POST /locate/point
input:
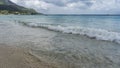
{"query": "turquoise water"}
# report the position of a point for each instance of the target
(105, 28)
(66, 41)
(111, 23)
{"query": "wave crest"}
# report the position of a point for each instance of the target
(98, 34)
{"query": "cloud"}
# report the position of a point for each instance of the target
(72, 6)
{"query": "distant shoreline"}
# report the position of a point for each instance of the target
(84, 14)
(19, 13)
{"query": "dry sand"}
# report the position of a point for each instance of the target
(14, 57)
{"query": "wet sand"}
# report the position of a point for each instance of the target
(28, 47)
(14, 47)
(14, 57)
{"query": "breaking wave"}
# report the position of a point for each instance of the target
(99, 34)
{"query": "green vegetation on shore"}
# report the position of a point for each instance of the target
(7, 7)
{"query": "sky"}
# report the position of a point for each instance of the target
(72, 6)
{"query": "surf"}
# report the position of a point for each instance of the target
(98, 34)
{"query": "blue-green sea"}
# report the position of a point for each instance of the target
(66, 41)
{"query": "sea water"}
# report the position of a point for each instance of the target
(99, 27)
(68, 41)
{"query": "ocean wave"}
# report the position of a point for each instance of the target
(99, 34)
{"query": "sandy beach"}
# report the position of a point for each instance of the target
(14, 48)
(14, 57)
(24, 46)
(15, 45)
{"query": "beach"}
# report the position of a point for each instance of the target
(32, 45)
(12, 55)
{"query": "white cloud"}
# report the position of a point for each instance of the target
(76, 5)
(72, 6)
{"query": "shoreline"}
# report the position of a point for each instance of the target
(50, 49)
(16, 57)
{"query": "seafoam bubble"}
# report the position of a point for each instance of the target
(99, 34)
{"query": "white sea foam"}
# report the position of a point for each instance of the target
(98, 34)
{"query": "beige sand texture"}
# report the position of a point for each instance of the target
(14, 57)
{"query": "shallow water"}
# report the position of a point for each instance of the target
(98, 27)
(60, 49)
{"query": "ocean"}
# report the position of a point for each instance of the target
(67, 41)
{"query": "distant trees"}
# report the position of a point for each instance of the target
(11, 9)
(8, 7)
(4, 12)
